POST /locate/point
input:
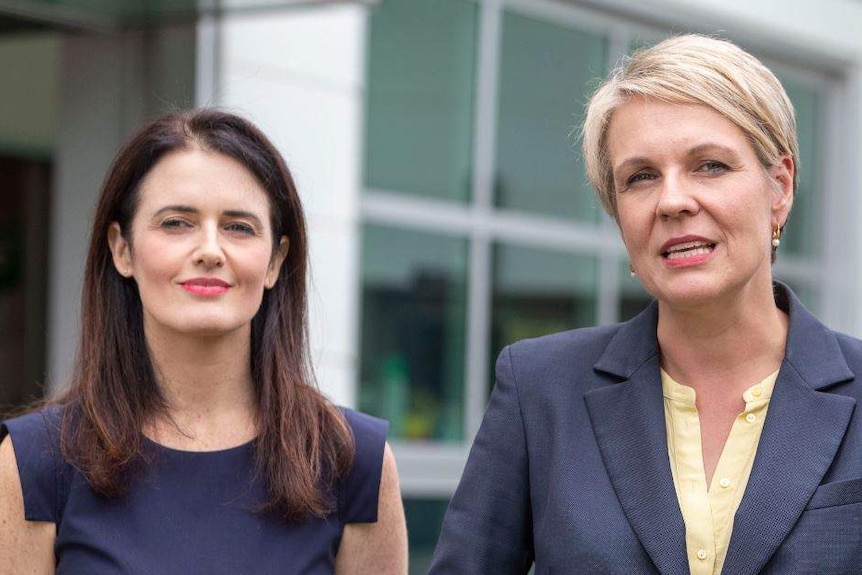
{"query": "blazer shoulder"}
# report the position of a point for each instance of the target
(583, 342)
(562, 359)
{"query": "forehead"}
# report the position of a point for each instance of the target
(203, 180)
(644, 126)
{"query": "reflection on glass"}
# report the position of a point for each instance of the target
(537, 292)
(420, 97)
(633, 297)
(546, 75)
(413, 332)
(424, 519)
(802, 234)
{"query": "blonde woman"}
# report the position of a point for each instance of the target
(716, 431)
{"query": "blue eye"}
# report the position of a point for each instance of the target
(174, 224)
(639, 177)
(240, 227)
(712, 166)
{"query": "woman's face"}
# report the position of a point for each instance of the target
(696, 208)
(201, 249)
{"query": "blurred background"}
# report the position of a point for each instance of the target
(435, 145)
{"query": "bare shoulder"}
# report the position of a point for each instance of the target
(379, 547)
(26, 546)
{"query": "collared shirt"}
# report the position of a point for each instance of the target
(708, 510)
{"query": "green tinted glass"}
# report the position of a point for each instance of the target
(546, 74)
(413, 331)
(424, 519)
(537, 292)
(802, 234)
(420, 97)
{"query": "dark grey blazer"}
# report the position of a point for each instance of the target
(570, 467)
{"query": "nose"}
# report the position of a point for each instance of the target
(209, 251)
(676, 197)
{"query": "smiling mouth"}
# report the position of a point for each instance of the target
(205, 290)
(206, 286)
(688, 250)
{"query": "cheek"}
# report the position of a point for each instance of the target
(153, 259)
(254, 265)
(633, 226)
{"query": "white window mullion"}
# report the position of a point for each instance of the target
(609, 294)
(481, 249)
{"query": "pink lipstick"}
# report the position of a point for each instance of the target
(205, 286)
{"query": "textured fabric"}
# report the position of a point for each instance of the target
(708, 511)
(570, 469)
(190, 512)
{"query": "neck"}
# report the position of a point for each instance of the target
(207, 385)
(722, 349)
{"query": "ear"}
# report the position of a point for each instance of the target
(275, 262)
(120, 250)
(782, 175)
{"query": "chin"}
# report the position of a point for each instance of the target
(209, 327)
(689, 294)
(210, 331)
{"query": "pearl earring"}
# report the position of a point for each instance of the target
(776, 237)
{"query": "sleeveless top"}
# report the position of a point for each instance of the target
(188, 512)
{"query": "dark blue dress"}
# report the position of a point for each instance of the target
(190, 512)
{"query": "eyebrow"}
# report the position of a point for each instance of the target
(695, 151)
(190, 210)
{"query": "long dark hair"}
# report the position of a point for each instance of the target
(304, 444)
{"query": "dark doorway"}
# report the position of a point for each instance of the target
(24, 226)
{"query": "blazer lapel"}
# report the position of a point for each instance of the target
(804, 428)
(628, 422)
(802, 433)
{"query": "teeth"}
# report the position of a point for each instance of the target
(688, 246)
(687, 253)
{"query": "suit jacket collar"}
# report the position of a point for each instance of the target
(803, 431)
(811, 347)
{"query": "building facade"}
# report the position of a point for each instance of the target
(435, 146)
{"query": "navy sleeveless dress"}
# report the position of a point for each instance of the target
(190, 512)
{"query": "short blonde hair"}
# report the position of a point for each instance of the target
(693, 69)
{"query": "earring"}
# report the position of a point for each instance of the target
(776, 237)
(632, 271)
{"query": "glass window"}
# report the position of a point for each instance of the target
(537, 292)
(805, 293)
(424, 519)
(413, 331)
(420, 98)
(546, 73)
(802, 234)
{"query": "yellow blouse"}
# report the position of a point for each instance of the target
(708, 510)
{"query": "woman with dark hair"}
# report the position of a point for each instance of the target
(192, 438)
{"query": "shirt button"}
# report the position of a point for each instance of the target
(756, 392)
(724, 482)
(750, 418)
(702, 554)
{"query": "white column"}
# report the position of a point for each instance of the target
(298, 74)
(109, 85)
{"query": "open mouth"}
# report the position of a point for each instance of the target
(688, 250)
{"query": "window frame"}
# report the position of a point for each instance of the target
(430, 469)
